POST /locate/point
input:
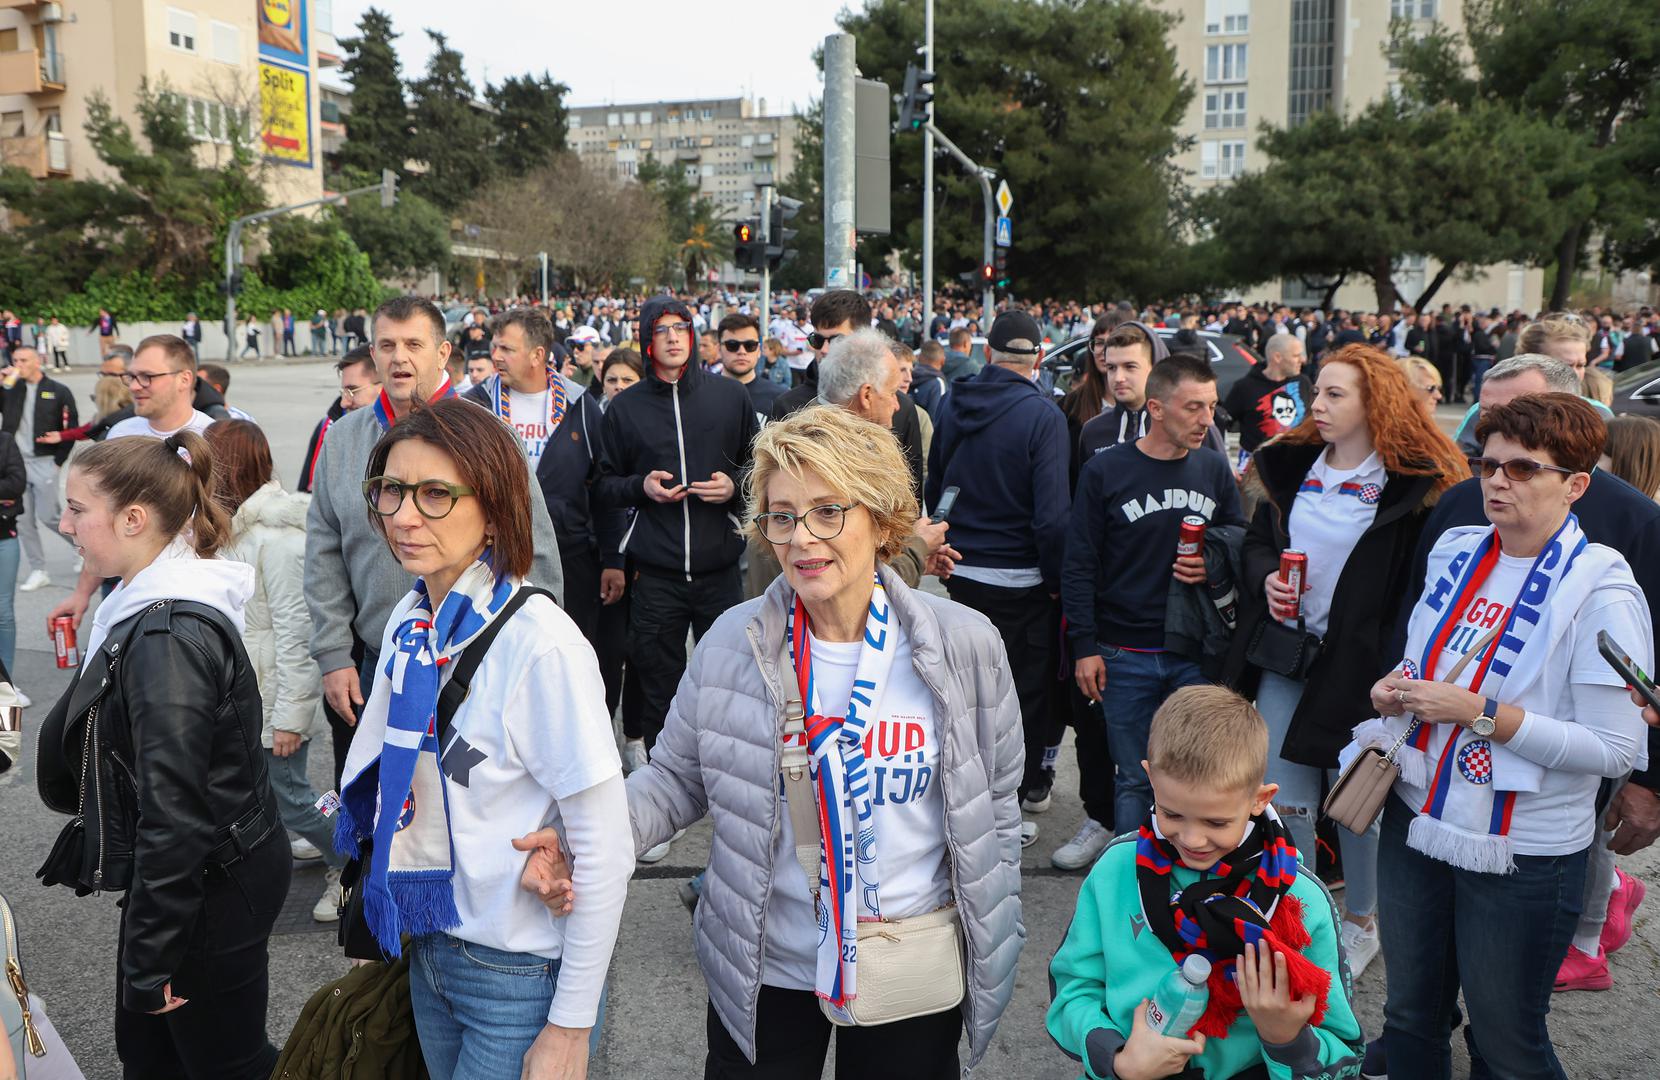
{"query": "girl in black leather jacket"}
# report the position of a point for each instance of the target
(155, 750)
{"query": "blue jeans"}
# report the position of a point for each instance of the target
(478, 1009)
(1137, 684)
(1298, 800)
(297, 802)
(1501, 937)
(10, 551)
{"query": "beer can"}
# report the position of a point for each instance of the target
(1294, 572)
(1191, 539)
(63, 638)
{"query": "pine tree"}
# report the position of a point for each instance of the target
(530, 121)
(453, 137)
(377, 129)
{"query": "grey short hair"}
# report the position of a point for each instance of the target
(853, 361)
(1559, 377)
(1279, 343)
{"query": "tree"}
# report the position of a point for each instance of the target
(401, 241)
(530, 121)
(806, 182)
(452, 135)
(695, 235)
(377, 128)
(1590, 66)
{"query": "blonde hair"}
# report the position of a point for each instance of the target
(853, 456)
(1211, 736)
(1418, 366)
(1633, 449)
(1555, 327)
(110, 396)
(1599, 385)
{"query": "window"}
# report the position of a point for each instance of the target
(1233, 159)
(1412, 9)
(211, 121)
(1313, 59)
(1227, 16)
(708, 114)
(181, 30)
(1221, 160)
(628, 119)
(645, 116)
(612, 119)
(576, 120)
(11, 125)
(322, 16)
(227, 43)
(1224, 63)
(1224, 109)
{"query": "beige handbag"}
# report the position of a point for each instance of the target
(1357, 798)
(907, 967)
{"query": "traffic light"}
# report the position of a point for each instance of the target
(388, 188)
(915, 104)
(1000, 266)
(748, 251)
(779, 236)
(988, 273)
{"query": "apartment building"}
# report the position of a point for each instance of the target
(1281, 61)
(728, 147)
(247, 62)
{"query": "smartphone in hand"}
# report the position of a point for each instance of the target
(1634, 676)
(942, 509)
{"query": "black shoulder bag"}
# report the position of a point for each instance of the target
(1282, 649)
(354, 935)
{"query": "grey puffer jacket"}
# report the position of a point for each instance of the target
(719, 754)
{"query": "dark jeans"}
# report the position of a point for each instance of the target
(622, 682)
(1028, 621)
(1097, 780)
(792, 1037)
(341, 731)
(1501, 937)
(223, 975)
(664, 608)
(581, 569)
(1137, 684)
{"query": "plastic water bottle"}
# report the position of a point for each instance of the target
(1180, 999)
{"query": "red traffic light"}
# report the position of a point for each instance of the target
(744, 232)
(987, 272)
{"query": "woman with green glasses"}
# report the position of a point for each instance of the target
(430, 801)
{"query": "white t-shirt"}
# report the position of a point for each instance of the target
(908, 808)
(1333, 508)
(1570, 741)
(138, 425)
(530, 423)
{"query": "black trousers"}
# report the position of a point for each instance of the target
(622, 681)
(792, 1038)
(1028, 620)
(581, 569)
(663, 609)
(341, 729)
(1097, 779)
(220, 1033)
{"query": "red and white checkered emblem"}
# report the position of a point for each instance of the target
(1370, 493)
(1475, 761)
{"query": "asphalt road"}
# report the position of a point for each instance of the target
(654, 1026)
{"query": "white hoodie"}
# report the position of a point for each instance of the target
(176, 574)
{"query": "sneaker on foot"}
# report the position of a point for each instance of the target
(1582, 972)
(1374, 1066)
(634, 755)
(304, 850)
(656, 854)
(37, 579)
(1037, 798)
(327, 908)
(1622, 905)
(1028, 833)
(1362, 945)
(1084, 848)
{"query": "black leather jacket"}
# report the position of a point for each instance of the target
(176, 778)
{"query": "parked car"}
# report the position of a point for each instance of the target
(1637, 390)
(1229, 357)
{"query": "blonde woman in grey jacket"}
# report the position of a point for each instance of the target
(913, 736)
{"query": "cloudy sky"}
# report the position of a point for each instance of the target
(623, 50)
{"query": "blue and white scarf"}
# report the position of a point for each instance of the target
(849, 874)
(408, 888)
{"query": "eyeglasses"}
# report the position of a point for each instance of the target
(1520, 470)
(819, 341)
(740, 346)
(823, 522)
(1098, 344)
(434, 499)
(349, 393)
(662, 333)
(1430, 388)
(143, 379)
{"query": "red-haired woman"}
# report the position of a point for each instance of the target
(1350, 487)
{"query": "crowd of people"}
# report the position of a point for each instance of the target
(505, 531)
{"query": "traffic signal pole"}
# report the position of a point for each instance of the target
(766, 264)
(839, 115)
(928, 177)
(985, 177)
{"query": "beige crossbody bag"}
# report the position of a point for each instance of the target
(1357, 798)
(907, 967)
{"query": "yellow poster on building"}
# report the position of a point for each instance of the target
(285, 114)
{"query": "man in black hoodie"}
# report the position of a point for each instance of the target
(675, 445)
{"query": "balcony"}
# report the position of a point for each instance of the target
(41, 156)
(31, 71)
(688, 153)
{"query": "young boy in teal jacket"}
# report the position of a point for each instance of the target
(1213, 873)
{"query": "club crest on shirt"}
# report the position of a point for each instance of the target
(1475, 761)
(1409, 669)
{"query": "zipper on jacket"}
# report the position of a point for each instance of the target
(14, 976)
(685, 508)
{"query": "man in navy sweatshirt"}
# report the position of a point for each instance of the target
(1002, 443)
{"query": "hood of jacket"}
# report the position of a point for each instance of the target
(177, 574)
(989, 395)
(271, 505)
(650, 312)
(1160, 349)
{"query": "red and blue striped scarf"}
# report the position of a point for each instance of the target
(385, 414)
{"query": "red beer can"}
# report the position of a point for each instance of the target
(1191, 539)
(63, 637)
(1294, 572)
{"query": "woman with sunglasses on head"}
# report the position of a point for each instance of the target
(432, 796)
(1484, 843)
(1425, 382)
(1350, 488)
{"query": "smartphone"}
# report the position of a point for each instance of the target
(942, 509)
(1620, 661)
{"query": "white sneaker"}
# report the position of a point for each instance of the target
(1362, 945)
(1084, 848)
(23, 700)
(304, 850)
(37, 579)
(328, 905)
(656, 854)
(634, 755)
(1028, 833)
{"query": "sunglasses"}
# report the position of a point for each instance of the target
(1520, 470)
(819, 341)
(740, 346)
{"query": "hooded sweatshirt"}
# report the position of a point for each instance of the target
(1119, 424)
(691, 428)
(176, 574)
(1001, 442)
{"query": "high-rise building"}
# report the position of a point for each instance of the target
(727, 147)
(1281, 61)
(236, 63)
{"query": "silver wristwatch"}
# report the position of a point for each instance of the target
(1487, 723)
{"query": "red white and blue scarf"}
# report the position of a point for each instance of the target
(849, 874)
(501, 399)
(385, 414)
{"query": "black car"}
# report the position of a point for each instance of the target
(1229, 357)
(1637, 391)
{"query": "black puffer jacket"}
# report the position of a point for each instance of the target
(176, 780)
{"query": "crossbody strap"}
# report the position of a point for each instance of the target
(461, 672)
(1451, 677)
(796, 777)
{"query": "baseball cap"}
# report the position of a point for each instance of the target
(582, 334)
(1015, 332)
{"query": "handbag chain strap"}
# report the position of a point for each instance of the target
(1452, 676)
